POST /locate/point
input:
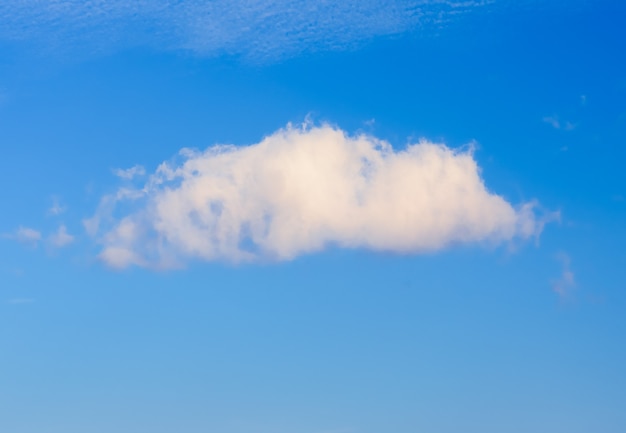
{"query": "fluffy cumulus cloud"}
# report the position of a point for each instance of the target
(298, 191)
(256, 28)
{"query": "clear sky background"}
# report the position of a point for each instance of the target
(376, 320)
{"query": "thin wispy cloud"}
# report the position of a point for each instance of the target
(557, 124)
(300, 190)
(253, 28)
(56, 208)
(32, 237)
(25, 235)
(569, 126)
(566, 281)
(61, 238)
(129, 173)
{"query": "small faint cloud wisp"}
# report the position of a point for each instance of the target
(25, 235)
(557, 124)
(29, 236)
(60, 238)
(566, 282)
(56, 208)
(130, 173)
(300, 190)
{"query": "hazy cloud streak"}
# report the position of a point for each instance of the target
(61, 238)
(566, 282)
(25, 235)
(556, 123)
(254, 28)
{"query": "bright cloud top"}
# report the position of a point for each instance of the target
(257, 28)
(298, 191)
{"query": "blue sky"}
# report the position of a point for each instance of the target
(413, 220)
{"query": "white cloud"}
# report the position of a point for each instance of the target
(61, 238)
(255, 28)
(25, 235)
(300, 190)
(130, 173)
(556, 123)
(566, 282)
(552, 120)
(56, 208)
